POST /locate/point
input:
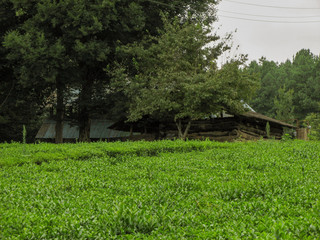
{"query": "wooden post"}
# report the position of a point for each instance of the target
(302, 134)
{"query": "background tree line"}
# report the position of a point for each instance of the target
(290, 90)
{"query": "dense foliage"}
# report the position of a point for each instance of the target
(176, 75)
(63, 48)
(313, 123)
(19, 104)
(161, 190)
(289, 90)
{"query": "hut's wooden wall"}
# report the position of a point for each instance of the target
(226, 129)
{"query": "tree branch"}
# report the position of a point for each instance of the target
(6, 98)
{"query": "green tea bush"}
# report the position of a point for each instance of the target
(14, 154)
(161, 190)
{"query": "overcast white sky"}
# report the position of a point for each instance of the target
(275, 41)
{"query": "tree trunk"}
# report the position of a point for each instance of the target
(179, 126)
(84, 129)
(84, 110)
(59, 112)
(131, 130)
(183, 135)
(6, 98)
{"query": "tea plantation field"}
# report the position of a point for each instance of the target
(160, 190)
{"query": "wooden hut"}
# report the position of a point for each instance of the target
(247, 126)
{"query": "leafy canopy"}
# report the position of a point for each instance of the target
(301, 75)
(176, 74)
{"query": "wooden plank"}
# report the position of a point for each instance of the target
(248, 136)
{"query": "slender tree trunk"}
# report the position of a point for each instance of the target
(186, 131)
(59, 112)
(84, 110)
(7, 96)
(179, 126)
(183, 135)
(131, 130)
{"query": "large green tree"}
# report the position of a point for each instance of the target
(283, 104)
(305, 83)
(177, 75)
(20, 104)
(301, 75)
(67, 44)
(263, 102)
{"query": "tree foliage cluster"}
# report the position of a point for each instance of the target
(176, 76)
(92, 56)
(289, 90)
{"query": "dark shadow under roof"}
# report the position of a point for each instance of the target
(99, 129)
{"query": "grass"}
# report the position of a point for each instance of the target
(161, 190)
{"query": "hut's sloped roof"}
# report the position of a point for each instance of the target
(99, 129)
(256, 115)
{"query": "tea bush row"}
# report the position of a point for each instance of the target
(257, 190)
(18, 154)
